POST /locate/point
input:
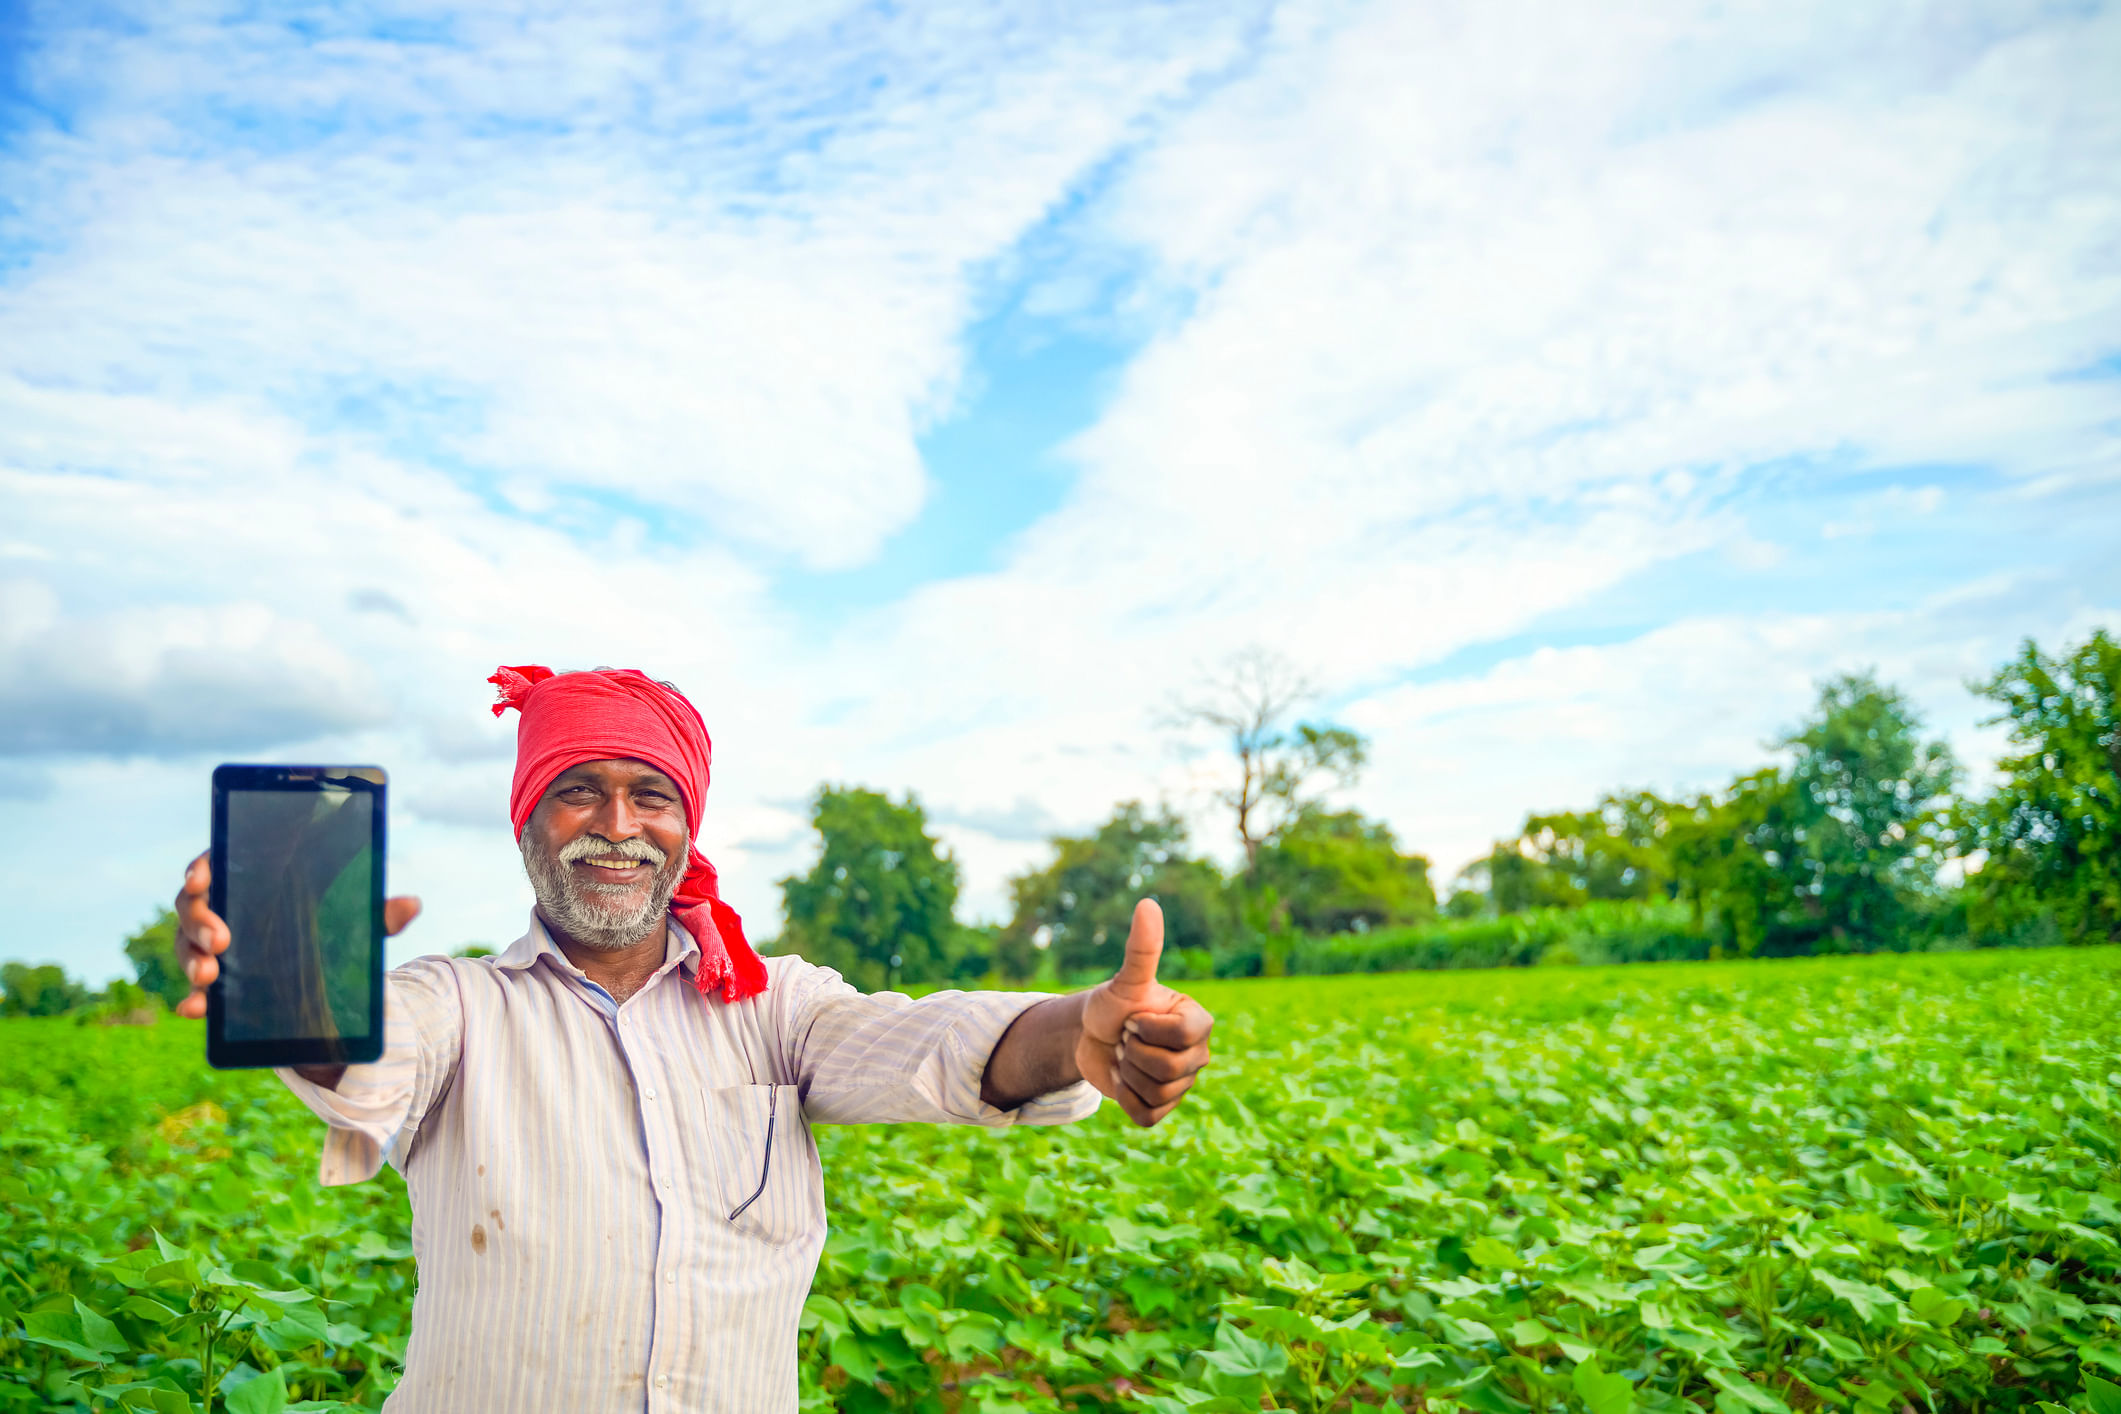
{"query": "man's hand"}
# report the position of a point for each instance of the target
(1142, 1043)
(202, 937)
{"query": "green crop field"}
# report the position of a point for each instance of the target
(1887, 1184)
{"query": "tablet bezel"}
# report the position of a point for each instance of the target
(224, 1054)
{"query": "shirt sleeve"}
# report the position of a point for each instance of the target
(376, 1111)
(887, 1058)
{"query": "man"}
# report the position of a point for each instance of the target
(605, 1130)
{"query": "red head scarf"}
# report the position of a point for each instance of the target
(569, 718)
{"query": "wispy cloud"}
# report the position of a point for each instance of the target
(167, 681)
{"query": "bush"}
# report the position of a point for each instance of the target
(1601, 932)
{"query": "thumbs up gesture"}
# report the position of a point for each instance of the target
(1141, 1042)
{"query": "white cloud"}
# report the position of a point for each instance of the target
(1893, 503)
(162, 682)
(743, 321)
(558, 335)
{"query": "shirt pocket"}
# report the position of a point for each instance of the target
(768, 1187)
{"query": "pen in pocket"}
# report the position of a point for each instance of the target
(773, 1105)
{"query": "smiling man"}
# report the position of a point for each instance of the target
(606, 1130)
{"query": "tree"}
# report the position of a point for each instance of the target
(1726, 860)
(878, 903)
(1077, 909)
(1336, 872)
(1281, 767)
(123, 1003)
(1836, 853)
(1615, 850)
(40, 990)
(1469, 893)
(152, 951)
(2051, 832)
(1516, 881)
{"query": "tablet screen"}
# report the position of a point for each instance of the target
(301, 874)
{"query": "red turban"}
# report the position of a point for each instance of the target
(569, 718)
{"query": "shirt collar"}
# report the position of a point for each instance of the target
(524, 952)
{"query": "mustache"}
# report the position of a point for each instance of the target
(597, 847)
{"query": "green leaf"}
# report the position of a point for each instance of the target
(149, 1309)
(823, 1311)
(1466, 1334)
(1872, 1303)
(1743, 1391)
(1603, 1393)
(1295, 1276)
(1836, 1346)
(921, 1306)
(1934, 1307)
(1238, 1354)
(2104, 1395)
(974, 1334)
(851, 1355)
(1530, 1332)
(1035, 1337)
(80, 1333)
(1595, 1292)
(265, 1394)
(143, 1395)
(305, 1325)
(372, 1246)
(1149, 1296)
(97, 1332)
(1495, 1256)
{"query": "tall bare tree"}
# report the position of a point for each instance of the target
(1282, 764)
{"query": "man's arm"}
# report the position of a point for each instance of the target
(1036, 1055)
(1133, 1038)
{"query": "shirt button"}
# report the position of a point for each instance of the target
(662, 1382)
(671, 1277)
(669, 1184)
(648, 1094)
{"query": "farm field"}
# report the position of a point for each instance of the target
(1874, 1184)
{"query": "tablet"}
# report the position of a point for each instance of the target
(297, 862)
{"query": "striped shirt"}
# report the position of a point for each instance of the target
(617, 1206)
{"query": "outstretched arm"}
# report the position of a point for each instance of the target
(1036, 1055)
(1133, 1038)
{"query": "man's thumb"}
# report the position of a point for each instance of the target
(1145, 944)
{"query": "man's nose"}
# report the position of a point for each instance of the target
(617, 820)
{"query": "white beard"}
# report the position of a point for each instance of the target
(597, 915)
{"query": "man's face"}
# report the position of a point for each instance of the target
(605, 849)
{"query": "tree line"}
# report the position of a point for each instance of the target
(1862, 838)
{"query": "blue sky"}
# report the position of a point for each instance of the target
(935, 391)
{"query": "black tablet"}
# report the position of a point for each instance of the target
(298, 877)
